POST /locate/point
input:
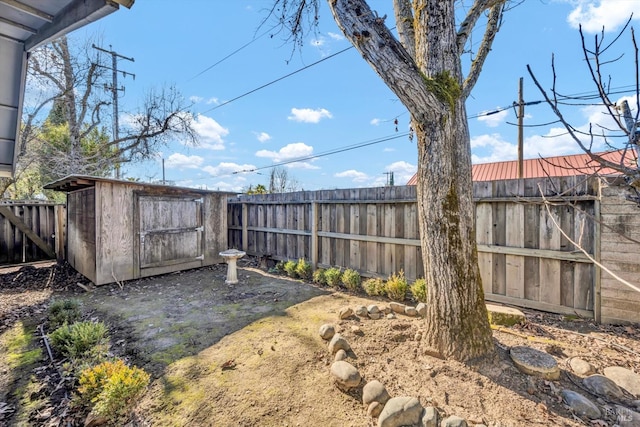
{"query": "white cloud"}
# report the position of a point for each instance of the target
(211, 132)
(288, 152)
(375, 121)
(389, 150)
(336, 36)
(353, 175)
(308, 115)
(319, 42)
(262, 136)
(213, 100)
(493, 120)
(495, 149)
(180, 161)
(195, 99)
(302, 165)
(595, 14)
(227, 168)
(402, 171)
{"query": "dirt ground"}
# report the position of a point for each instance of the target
(250, 354)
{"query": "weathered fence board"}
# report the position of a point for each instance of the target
(523, 256)
(31, 231)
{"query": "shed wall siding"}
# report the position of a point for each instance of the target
(621, 222)
(114, 232)
(81, 242)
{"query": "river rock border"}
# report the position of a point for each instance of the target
(623, 386)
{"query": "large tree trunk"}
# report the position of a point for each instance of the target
(429, 83)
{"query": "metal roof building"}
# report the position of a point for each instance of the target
(25, 25)
(569, 165)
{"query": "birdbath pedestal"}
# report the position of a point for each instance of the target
(231, 256)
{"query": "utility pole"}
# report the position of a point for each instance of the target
(114, 90)
(389, 175)
(520, 130)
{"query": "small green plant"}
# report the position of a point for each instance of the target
(351, 279)
(290, 268)
(419, 290)
(333, 276)
(397, 286)
(280, 266)
(374, 287)
(303, 269)
(111, 388)
(63, 311)
(81, 340)
(318, 277)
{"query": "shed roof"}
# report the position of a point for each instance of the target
(79, 182)
(25, 25)
(569, 165)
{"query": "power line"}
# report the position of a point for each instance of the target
(277, 80)
(323, 154)
(230, 55)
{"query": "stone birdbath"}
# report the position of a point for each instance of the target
(231, 256)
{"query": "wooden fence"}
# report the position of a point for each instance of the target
(31, 231)
(524, 258)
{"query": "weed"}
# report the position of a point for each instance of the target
(333, 276)
(397, 286)
(63, 311)
(374, 287)
(112, 388)
(303, 269)
(351, 279)
(419, 290)
(81, 340)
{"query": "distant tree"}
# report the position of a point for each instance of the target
(281, 182)
(423, 67)
(72, 138)
(259, 189)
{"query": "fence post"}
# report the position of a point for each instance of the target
(314, 235)
(59, 231)
(597, 292)
(245, 230)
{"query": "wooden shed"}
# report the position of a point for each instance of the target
(121, 230)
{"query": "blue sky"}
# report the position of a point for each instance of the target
(339, 102)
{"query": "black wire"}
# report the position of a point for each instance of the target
(323, 154)
(276, 80)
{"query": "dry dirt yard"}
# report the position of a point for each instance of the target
(251, 355)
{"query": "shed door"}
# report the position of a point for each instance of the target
(170, 233)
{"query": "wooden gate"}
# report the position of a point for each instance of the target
(31, 231)
(169, 233)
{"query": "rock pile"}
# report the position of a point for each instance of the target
(616, 390)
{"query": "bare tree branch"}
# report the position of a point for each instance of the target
(493, 25)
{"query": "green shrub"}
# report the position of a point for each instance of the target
(80, 340)
(397, 286)
(419, 290)
(290, 268)
(111, 388)
(303, 269)
(63, 311)
(318, 277)
(374, 287)
(333, 276)
(351, 279)
(280, 266)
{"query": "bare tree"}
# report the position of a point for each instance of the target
(281, 182)
(621, 132)
(423, 68)
(71, 81)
